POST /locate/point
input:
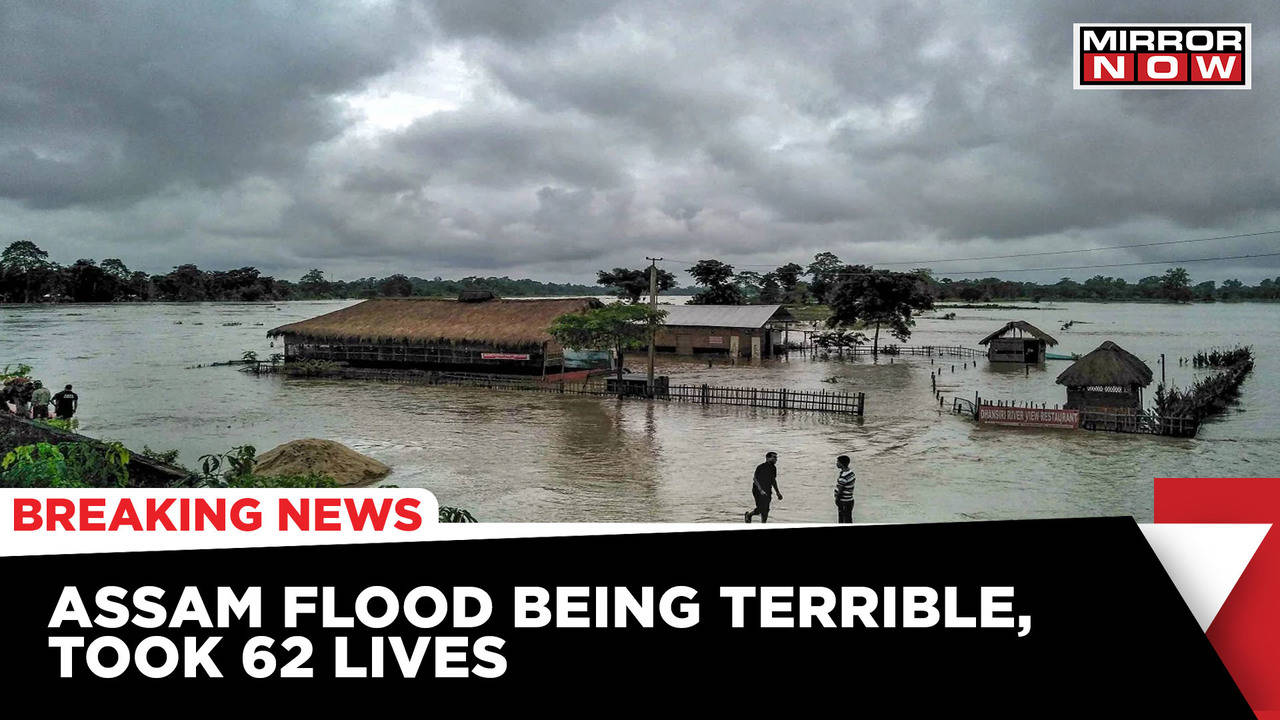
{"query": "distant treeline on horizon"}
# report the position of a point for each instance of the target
(27, 275)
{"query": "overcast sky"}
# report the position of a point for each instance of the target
(550, 139)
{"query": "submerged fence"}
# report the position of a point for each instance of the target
(818, 350)
(1143, 423)
(770, 398)
(776, 398)
(1039, 414)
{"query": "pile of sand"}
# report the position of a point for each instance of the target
(326, 457)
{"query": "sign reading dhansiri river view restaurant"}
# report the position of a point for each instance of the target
(503, 356)
(1030, 417)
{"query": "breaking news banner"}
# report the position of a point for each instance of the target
(640, 356)
(307, 594)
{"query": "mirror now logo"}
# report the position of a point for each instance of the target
(1162, 56)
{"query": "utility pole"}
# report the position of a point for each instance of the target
(653, 305)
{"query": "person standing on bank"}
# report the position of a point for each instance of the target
(66, 403)
(844, 490)
(40, 398)
(763, 485)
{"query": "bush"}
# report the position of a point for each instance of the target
(168, 457)
(70, 465)
(68, 424)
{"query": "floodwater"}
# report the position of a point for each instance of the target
(511, 456)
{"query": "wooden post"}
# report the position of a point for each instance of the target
(653, 305)
(862, 401)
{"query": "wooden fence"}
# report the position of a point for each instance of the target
(1136, 422)
(921, 350)
(771, 398)
(1142, 423)
(776, 398)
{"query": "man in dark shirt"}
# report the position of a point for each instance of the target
(66, 403)
(763, 485)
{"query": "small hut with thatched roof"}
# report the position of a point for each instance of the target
(478, 332)
(1109, 379)
(1018, 341)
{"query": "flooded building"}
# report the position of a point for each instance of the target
(753, 331)
(1107, 380)
(478, 332)
(1018, 342)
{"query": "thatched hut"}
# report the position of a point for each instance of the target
(1109, 379)
(1018, 341)
(475, 333)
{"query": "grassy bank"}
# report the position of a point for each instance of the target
(810, 313)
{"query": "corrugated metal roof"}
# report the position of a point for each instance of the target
(734, 316)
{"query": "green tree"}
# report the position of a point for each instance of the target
(25, 265)
(788, 276)
(770, 289)
(187, 283)
(396, 286)
(314, 284)
(750, 283)
(717, 279)
(869, 297)
(86, 282)
(822, 272)
(617, 327)
(1175, 285)
(630, 285)
(116, 268)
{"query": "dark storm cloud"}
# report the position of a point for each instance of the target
(109, 102)
(560, 137)
(512, 149)
(515, 22)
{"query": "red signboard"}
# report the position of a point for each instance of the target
(503, 356)
(1029, 417)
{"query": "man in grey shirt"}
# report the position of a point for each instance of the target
(40, 398)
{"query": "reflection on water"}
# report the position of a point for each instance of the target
(516, 456)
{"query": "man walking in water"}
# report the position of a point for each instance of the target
(763, 485)
(844, 490)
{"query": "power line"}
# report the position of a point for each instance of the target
(1038, 254)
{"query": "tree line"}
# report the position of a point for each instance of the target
(792, 284)
(863, 299)
(28, 275)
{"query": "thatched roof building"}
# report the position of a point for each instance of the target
(1109, 364)
(495, 322)
(452, 334)
(1107, 378)
(1020, 327)
(1018, 341)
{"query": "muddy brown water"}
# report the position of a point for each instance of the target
(511, 456)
